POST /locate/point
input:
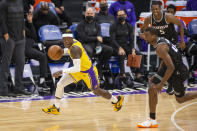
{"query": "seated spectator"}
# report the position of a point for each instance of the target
(121, 33)
(191, 5)
(44, 17)
(104, 17)
(33, 53)
(89, 34)
(127, 7)
(62, 13)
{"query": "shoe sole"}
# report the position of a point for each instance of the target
(49, 113)
(152, 126)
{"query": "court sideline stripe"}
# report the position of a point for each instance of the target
(175, 112)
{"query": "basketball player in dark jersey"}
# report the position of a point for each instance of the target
(164, 23)
(171, 71)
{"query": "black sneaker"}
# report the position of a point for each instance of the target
(170, 90)
(44, 85)
(23, 92)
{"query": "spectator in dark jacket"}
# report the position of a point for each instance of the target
(62, 13)
(127, 7)
(44, 17)
(191, 5)
(121, 33)
(89, 34)
(104, 17)
(33, 53)
(13, 44)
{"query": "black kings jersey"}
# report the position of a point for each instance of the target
(174, 53)
(165, 29)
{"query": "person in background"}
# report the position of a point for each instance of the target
(89, 33)
(13, 44)
(191, 5)
(44, 17)
(33, 53)
(104, 17)
(127, 7)
(121, 33)
(62, 13)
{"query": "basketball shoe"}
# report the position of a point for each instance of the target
(150, 123)
(51, 110)
(118, 105)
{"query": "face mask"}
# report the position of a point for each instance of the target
(121, 19)
(89, 18)
(103, 8)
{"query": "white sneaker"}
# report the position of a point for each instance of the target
(150, 123)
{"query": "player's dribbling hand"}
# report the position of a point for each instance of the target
(57, 74)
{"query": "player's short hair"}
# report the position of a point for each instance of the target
(171, 6)
(152, 31)
(156, 3)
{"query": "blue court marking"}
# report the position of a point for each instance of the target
(71, 95)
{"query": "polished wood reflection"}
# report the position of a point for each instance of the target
(95, 114)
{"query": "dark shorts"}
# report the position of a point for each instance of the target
(176, 80)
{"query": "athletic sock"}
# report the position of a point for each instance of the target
(152, 116)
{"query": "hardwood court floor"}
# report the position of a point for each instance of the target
(96, 114)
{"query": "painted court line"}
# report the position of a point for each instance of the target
(175, 112)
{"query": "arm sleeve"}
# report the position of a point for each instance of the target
(82, 36)
(75, 68)
(113, 35)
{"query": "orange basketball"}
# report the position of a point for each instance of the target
(55, 52)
